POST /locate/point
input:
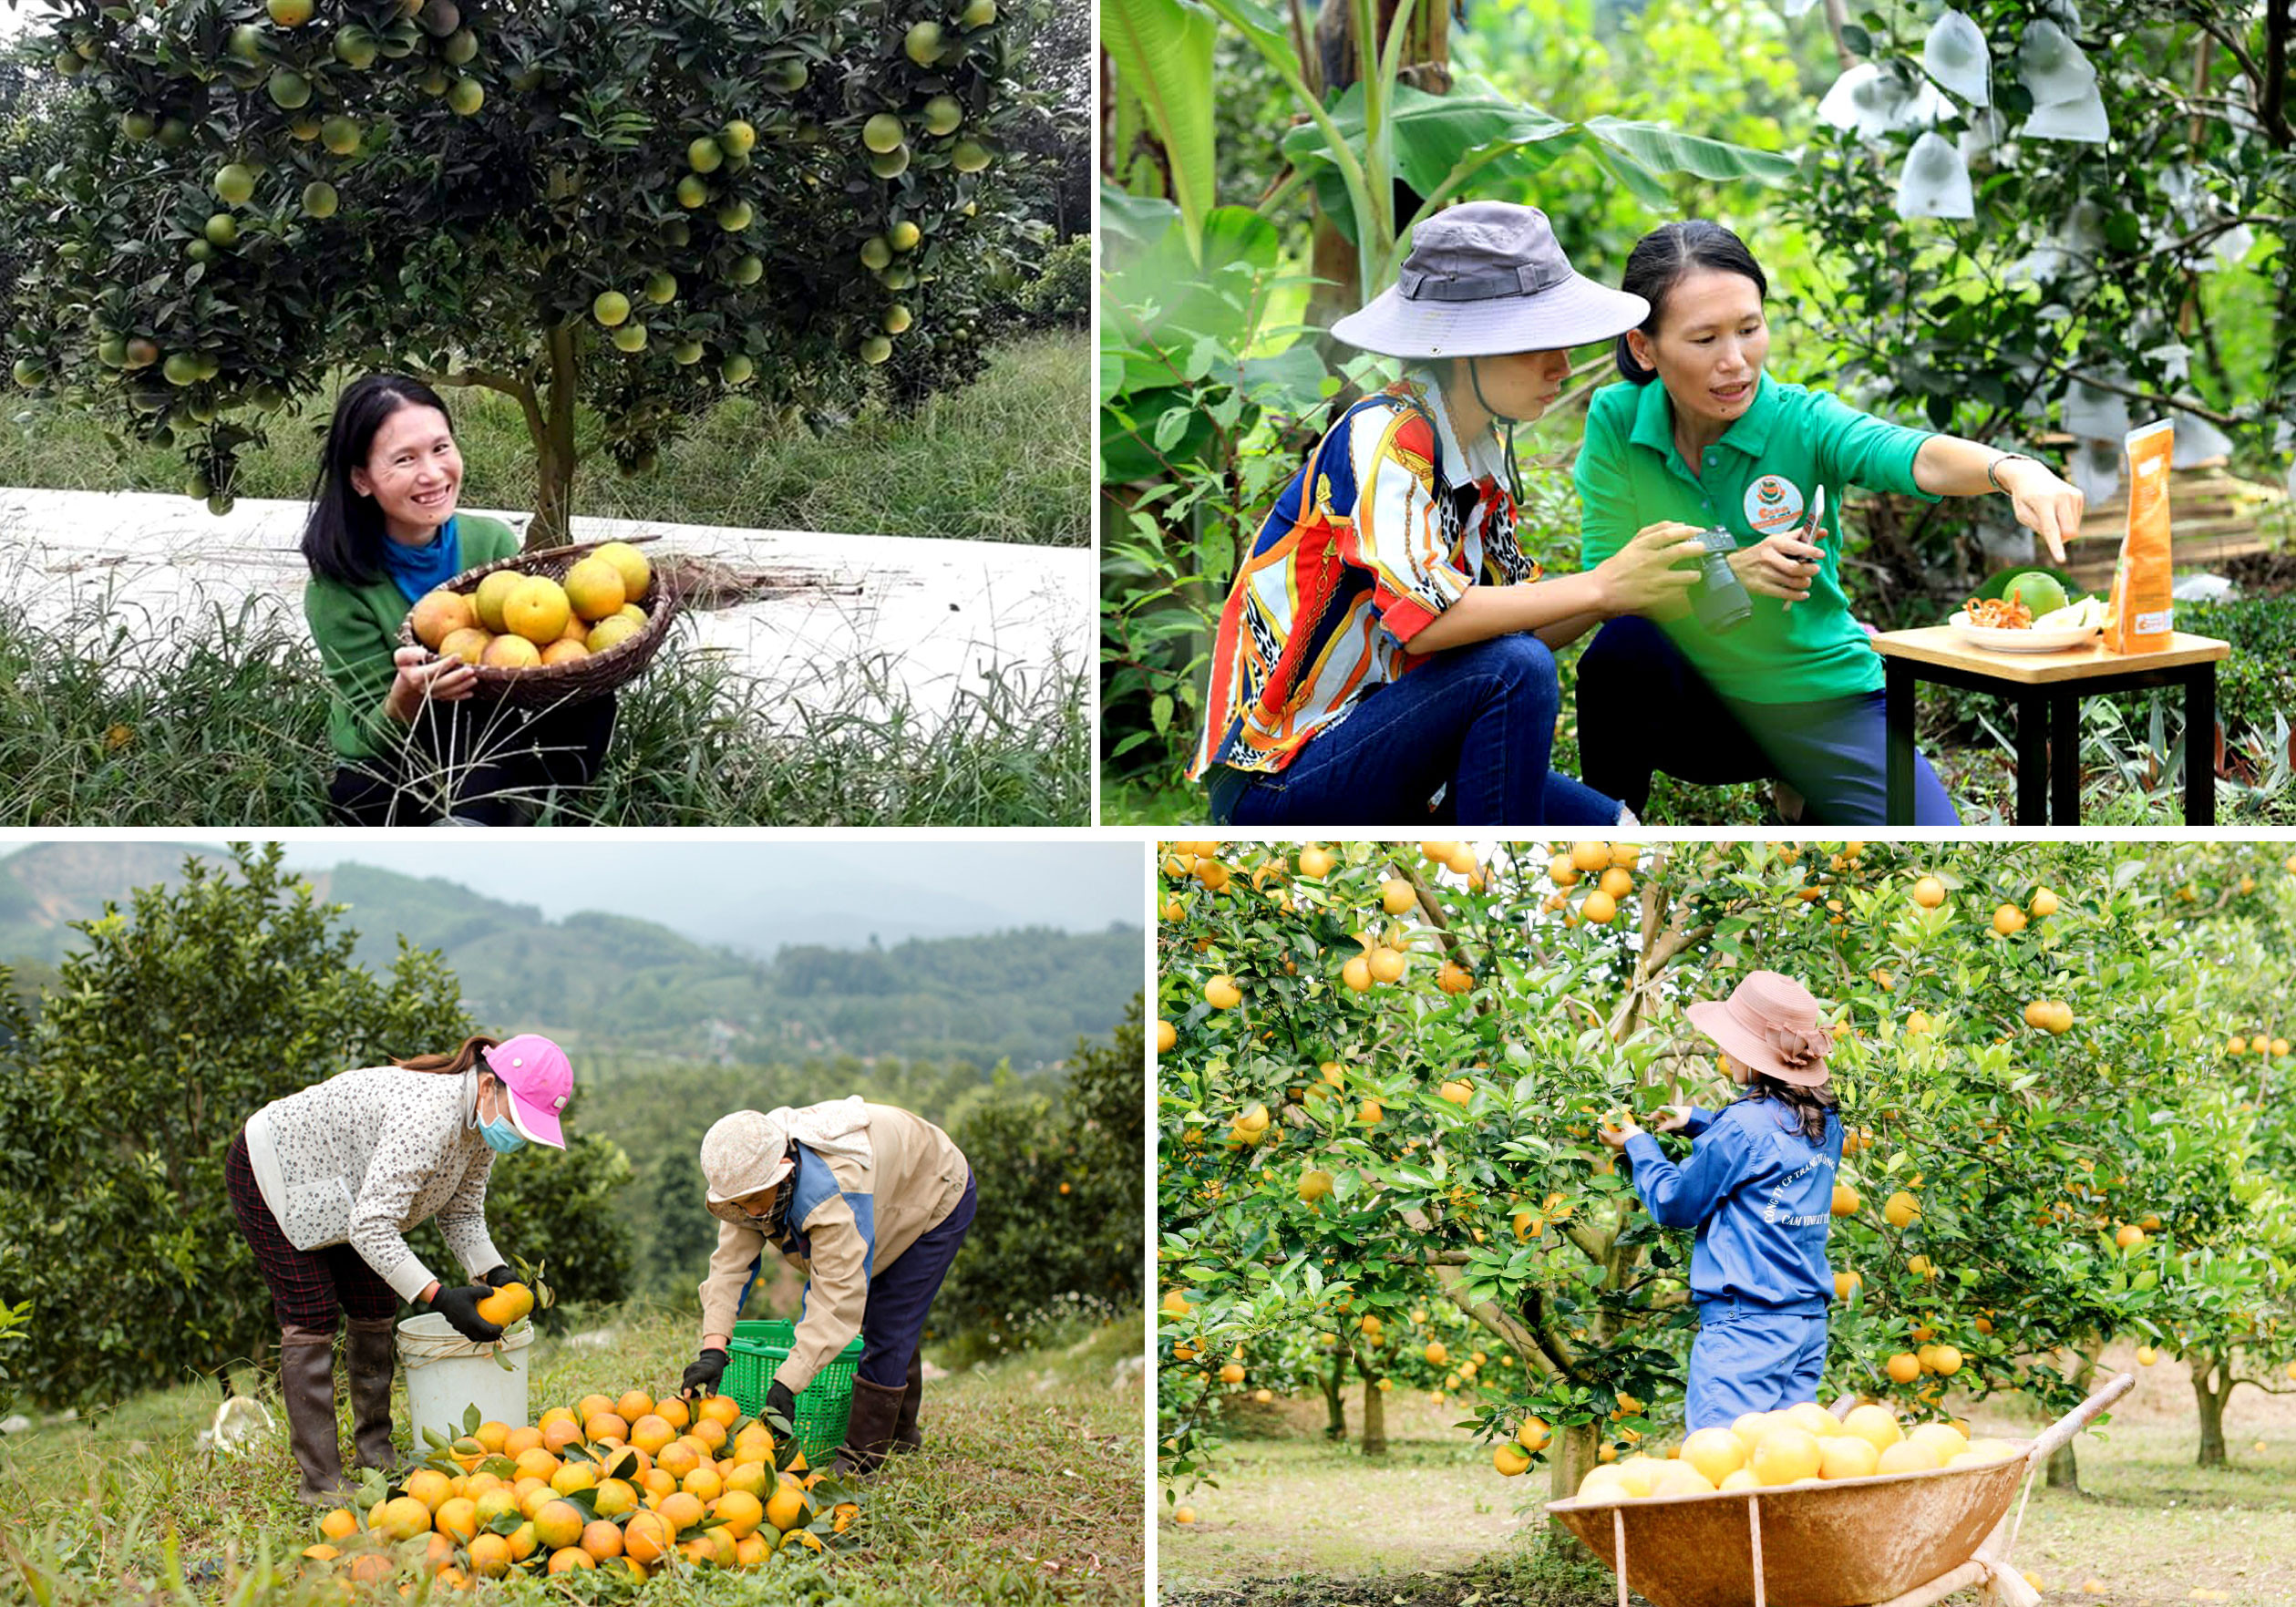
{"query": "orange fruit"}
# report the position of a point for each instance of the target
(672, 1411)
(405, 1517)
(790, 1506)
(321, 1553)
(633, 1404)
(1785, 1454)
(493, 1436)
(491, 1556)
(722, 1408)
(601, 1539)
(340, 1524)
(429, 1486)
(648, 1537)
(372, 1566)
(559, 1525)
(682, 1509)
(751, 1549)
(459, 1517)
(703, 1484)
(561, 1434)
(605, 1425)
(519, 1440)
(522, 1543)
(536, 1463)
(439, 614)
(590, 1405)
(614, 1496)
(742, 1511)
(650, 1431)
(572, 1557)
(574, 1475)
(677, 1458)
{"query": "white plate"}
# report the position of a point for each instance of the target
(1997, 640)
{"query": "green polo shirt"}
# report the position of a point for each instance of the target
(356, 629)
(1756, 481)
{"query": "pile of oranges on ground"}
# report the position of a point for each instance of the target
(1804, 1444)
(633, 1483)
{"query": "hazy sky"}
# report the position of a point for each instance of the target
(722, 887)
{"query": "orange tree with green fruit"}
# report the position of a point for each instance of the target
(638, 207)
(1383, 1067)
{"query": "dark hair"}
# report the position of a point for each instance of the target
(460, 1060)
(1810, 1106)
(343, 538)
(1658, 263)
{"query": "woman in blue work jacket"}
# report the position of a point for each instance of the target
(1702, 437)
(1758, 1188)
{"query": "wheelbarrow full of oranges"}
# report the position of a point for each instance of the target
(1884, 1540)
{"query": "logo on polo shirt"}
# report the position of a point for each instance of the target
(1772, 503)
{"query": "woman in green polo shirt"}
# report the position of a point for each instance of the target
(1794, 692)
(412, 749)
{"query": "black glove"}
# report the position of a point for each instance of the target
(499, 1276)
(701, 1378)
(780, 1402)
(459, 1306)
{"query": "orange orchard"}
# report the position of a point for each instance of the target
(2023, 1182)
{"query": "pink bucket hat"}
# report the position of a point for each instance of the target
(1772, 1023)
(540, 1081)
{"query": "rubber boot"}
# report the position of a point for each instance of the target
(306, 1384)
(869, 1431)
(372, 1354)
(905, 1435)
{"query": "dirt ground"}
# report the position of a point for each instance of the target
(1297, 1521)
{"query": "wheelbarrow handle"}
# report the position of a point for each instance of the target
(2054, 1436)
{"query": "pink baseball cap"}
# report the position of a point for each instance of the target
(540, 1081)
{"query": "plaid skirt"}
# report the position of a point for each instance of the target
(307, 1286)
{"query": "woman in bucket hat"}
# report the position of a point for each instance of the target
(871, 1203)
(327, 1183)
(1386, 638)
(1758, 1188)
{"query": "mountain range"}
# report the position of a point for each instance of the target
(620, 983)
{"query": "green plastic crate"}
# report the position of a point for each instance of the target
(822, 1406)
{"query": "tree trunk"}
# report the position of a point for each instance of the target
(1335, 1398)
(1570, 1455)
(1426, 66)
(2064, 1467)
(2211, 1387)
(554, 451)
(1374, 1418)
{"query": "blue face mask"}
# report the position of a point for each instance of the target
(500, 1135)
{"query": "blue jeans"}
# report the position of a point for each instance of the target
(1751, 1358)
(1643, 709)
(1476, 722)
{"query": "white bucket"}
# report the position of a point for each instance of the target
(447, 1375)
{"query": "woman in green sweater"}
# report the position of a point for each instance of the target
(413, 749)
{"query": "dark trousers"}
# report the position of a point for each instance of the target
(484, 762)
(894, 1323)
(1642, 709)
(1476, 723)
(307, 1286)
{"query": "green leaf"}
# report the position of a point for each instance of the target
(1163, 50)
(1666, 150)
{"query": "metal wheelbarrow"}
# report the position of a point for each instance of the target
(1895, 1540)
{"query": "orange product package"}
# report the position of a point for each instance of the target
(2141, 614)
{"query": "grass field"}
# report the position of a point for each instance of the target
(1008, 459)
(1299, 1520)
(226, 725)
(1028, 1493)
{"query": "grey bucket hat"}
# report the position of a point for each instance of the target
(1484, 280)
